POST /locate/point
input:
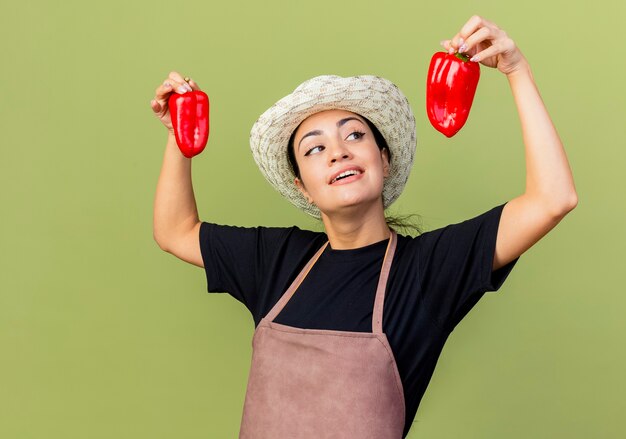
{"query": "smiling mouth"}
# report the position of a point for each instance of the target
(346, 174)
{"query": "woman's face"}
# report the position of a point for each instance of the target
(339, 160)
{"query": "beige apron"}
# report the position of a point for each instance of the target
(322, 384)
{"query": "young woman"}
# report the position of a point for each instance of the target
(350, 322)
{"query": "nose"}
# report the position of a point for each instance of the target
(339, 152)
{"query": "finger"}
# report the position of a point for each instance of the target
(492, 50)
(164, 90)
(162, 94)
(501, 44)
(193, 84)
(472, 25)
(159, 107)
(176, 76)
(170, 86)
(447, 46)
(181, 85)
(466, 30)
(156, 107)
(477, 37)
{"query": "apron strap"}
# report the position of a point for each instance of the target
(377, 318)
(294, 285)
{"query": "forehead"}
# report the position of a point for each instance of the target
(320, 118)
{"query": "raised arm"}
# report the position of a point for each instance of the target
(550, 193)
(176, 225)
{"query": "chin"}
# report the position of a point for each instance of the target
(351, 203)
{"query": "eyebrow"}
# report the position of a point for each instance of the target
(318, 132)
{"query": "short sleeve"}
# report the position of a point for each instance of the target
(455, 266)
(235, 257)
(255, 265)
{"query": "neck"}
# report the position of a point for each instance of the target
(354, 229)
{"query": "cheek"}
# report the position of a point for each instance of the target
(308, 178)
(311, 167)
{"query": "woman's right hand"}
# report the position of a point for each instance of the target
(174, 83)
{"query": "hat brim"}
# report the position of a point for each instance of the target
(372, 97)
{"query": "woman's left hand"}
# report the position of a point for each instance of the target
(486, 43)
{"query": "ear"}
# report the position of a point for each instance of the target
(384, 154)
(302, 190)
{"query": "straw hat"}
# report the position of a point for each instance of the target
(373, 97)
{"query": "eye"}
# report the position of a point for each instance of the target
(314, 150)
(359, 133)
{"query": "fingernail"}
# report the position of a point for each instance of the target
(182, 89)
(188, 87)
(451, 50)
(463, 48)
(167, 85)
(474, 58)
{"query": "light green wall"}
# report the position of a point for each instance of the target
(103, 335)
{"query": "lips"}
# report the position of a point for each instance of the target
(345, 172)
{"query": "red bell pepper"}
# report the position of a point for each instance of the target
(450, 89)
(190, 121)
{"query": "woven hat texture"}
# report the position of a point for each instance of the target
(373, 97)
